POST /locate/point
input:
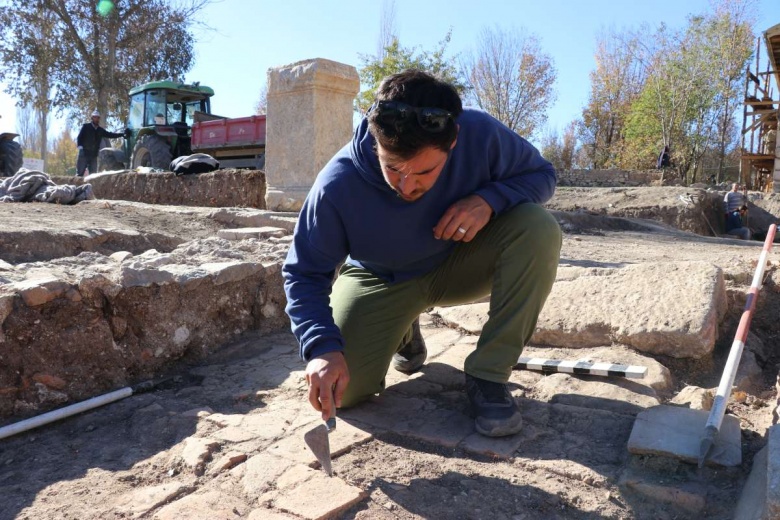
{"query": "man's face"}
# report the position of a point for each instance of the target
(95, 120)
(412, 178)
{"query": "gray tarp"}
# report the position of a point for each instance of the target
(35, 186)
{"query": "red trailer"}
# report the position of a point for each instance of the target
(235, 143)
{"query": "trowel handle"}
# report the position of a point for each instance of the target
(330, 424)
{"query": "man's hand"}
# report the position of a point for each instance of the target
(463, 220)
(327, 376)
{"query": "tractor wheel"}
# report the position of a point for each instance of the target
(110, 159)
(152, 151)
(10, 157)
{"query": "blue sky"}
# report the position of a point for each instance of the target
(250, 36)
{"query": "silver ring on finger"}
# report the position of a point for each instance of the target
(460, 229)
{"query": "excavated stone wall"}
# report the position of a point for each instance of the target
(76, 327)
(222, 188)
(609, 178)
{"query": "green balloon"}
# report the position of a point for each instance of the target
(105, 7)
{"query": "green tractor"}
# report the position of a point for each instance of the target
(159, 125)
(10, 155)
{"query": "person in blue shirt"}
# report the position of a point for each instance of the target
(428, 205)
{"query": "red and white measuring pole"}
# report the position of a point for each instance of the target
(735, 354)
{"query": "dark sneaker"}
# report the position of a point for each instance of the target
(412, 355)
(495, 410)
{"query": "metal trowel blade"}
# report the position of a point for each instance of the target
(317, 441)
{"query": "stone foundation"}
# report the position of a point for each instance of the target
(80, 326)
(609, 178)
(222, 188)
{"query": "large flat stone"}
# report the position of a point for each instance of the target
(773, 473)
(753, 499)
(615, 395)
(211, 505)
(689, 496)
(658, 377)
(662, 308)
(677, 432)
(671, 309)
(319, 497)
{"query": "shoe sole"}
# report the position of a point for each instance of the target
(502, 430)
(410, 366)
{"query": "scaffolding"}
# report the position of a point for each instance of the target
(760, 160)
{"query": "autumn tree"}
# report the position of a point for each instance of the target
(731, 47)
(62, 159)
(692, 89)
(615, 83)
(561, 150)
(99, 54)
(398, 58)
(511, 78)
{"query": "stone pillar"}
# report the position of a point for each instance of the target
(309, 119)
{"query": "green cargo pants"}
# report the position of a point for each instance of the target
(514, 258)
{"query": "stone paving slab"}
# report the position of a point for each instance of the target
(261, 471)
(689, 496)
(677, 432)
(658, 377)
(319, 497)
(752, 502)
(773, 472)
(345, 437)
(141, 501)
(617, 395)
(209, 505)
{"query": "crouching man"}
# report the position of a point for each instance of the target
(429, 204)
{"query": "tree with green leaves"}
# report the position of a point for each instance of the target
(397, 58)
(95, 52)
(511, 78)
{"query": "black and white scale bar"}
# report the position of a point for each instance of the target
(549, 366)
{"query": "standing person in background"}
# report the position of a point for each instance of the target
(430, 204)
(733, 200)
(664, 159)
(88, 142)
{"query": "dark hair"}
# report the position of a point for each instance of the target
(418, 89)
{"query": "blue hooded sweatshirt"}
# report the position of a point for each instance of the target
(352, 213)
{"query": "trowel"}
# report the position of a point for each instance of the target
(317, 441)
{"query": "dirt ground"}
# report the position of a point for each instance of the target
(572, 463)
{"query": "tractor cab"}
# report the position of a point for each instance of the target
(160, 119)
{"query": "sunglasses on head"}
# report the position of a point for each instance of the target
(432, 120)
